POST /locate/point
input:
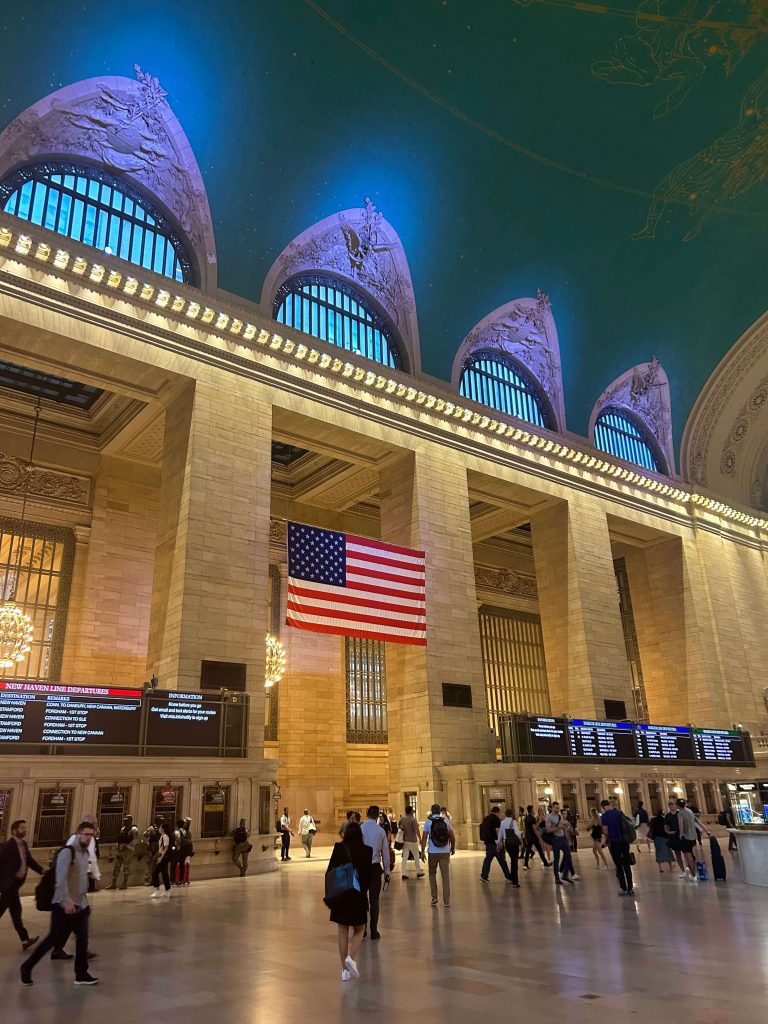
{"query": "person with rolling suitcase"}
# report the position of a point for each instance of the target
(719, 872)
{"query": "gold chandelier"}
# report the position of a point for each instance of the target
(275, 664)
(15, 625)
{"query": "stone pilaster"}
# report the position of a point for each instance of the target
(579, 606)
(209, 600)
(425, 505)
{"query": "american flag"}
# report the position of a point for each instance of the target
(352, 586)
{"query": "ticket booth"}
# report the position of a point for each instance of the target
(5, 813)
(166, 804)
(112, 805)
(52, 820)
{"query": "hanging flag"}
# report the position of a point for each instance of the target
(353, 586)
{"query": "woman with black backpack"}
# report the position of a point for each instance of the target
(346, 886)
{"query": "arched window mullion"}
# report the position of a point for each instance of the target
(492, 379)
(619, 433)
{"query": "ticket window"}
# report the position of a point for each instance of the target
(265, 810)
(112, 806)
(570, 797)
(496, 796)
(692, 794)
(6, 796)
(214, 821)
(635, 795)
(545, 793)
(656, 797)
(412, 800)
(167, 804)
(52, 819)
(709, 790)
(593, 798)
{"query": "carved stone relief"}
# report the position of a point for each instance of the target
(748, 413)
(525, 330)
(127, 127)
(508, 581)
(14, 474)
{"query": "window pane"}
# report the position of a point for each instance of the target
(617, 434)
(495, 381)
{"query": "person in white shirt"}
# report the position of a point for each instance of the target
(285, 828)
(162, 864)
(307, 830)
(510, 840)
(375, 837)
(94, 877)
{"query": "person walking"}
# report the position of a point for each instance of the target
(556, 825)
(489, 834)
(286, 833)
(126, 847)
(598, 838)
(689, 829)
(375, 837)
(658, 835)
(439, 834)
(642, 824)
(727, 819)
(409, 826)
(532, 838)
(613, 828)
(94, 880)
(511, 840)
(350, 909)
(151, 837)
(15, 862)
(672, 830)
(307, 831)
(185, 851)
(241, 848)
(351, 816)
(161, 867)
(70, 911)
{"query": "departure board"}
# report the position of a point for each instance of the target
(583, 741)
(722, 746)
(664, 743)
(178, 719)
(45, 713)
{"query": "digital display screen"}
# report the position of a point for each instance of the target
(721, 746)
(579, 740)
(177, 719)
(607, 741)
(664, 743)
(42, 713)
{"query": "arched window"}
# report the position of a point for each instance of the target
(95, 208)
(619, 433)
(333, 311)
(492, 379)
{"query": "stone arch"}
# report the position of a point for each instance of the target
(642, 391)
(125, 126)
(725, 442)
(361, 247)
(525, 331)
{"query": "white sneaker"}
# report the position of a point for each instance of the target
(155, 895)
(693, 878)
(576, 878)
(345, 975)
(165, 895)
(683, 874)
(352, 967)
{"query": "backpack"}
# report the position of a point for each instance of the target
(240, 835)
(628, 830)
(186, 848)
(487, 830)
(722, 819)
(46, 887)
(439, 833)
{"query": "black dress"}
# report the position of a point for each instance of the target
(352, 908)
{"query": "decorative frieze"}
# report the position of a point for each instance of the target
(16, 476)
(507, 581)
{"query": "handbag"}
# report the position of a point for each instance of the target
(632, 859)
(312, 832)
(340, 880)
(399, 839)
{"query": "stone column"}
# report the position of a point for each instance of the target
(209, 600)
(579, 607)
(425, 505)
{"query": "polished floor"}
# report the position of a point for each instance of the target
(261, 949)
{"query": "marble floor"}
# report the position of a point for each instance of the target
(260, 949)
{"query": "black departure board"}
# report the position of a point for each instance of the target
(722, 746)
(178, 719)
(46, 713)
(584, 741)
(664, 743)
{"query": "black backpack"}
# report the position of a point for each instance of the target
(488, 829)
(439, 833)
(186, 849)
(240, 835)
(46, 887)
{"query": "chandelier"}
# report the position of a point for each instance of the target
(15, 625)
(275, 664)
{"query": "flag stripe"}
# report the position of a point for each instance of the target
(311, 596)
(398, 590)
(370, 615)
(365, 634)
(374, 574)
(379, 545)
(356, 558)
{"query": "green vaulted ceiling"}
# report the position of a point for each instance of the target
(513, 144)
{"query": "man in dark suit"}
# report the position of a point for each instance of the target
(15, 861)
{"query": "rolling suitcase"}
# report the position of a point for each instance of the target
(718, 861)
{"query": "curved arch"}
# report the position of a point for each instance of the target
(621, 433)
(331, 309)
(642, 393)
(524, 331)
(360, 247)
(499, 381)
(126, 127)
(725, 442)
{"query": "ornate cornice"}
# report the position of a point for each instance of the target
(745, 418)
(506, 581)
(16, 476)
(154, 310)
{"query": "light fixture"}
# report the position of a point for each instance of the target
(678, 790)
(275, 663)
(15, 625)
(548, 791)
(618, 790)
